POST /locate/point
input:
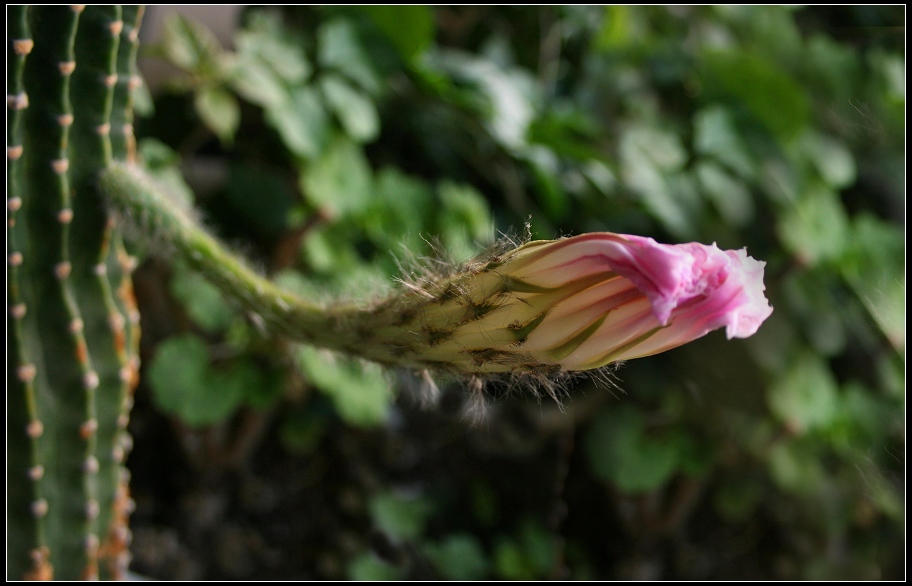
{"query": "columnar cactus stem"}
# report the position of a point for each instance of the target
(72, 352)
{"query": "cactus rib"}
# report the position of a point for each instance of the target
(26, 555)
(91, 230)
(123, 143)
(114, 556)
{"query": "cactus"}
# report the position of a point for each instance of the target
(73, 330)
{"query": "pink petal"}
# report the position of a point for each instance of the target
(692, 289)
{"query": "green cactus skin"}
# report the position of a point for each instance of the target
(72, 340)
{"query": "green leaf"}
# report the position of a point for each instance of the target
(773, 32)
(359, 392)
(400, 517)
(510, 562)
(729, 194)
(891, 73)
(339, 182)
(340, 49)
(410, 28)
(329, 250)
(835, 65)
(353, 108)
(651, 163)
(806, 396)
(821, 317)
(219, 111)
(301, 122)
(464, 220)
(530, 556)
(780, 181)
(796, 468)
(270, 63)
(400, 211)
(539, 546)
(513, 95)
(546, 170)
(366, 567)
(459, 557)
(618, 27)
(816, 228)
(600, 175)
(770, 95)
(660, 148)
(178, 370)
(567, 130)
(506, 99)
(874, 268)
(621, 453)
(716, 134)
(183, 384)
(202, 300)
(190, 45)
(861, 419)
(832, 159)
(256, 83)
(275, 48)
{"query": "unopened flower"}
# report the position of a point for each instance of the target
(546, 306)
(584, 302)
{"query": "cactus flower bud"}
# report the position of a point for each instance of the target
(584, 302)
(544, 307)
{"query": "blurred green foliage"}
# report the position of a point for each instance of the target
(346, 140)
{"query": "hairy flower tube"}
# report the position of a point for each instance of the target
(543, 307)
(584, 302)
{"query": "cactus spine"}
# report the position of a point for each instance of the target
(72, 339)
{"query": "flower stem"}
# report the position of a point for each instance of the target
(139, 199)
(353, 330)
